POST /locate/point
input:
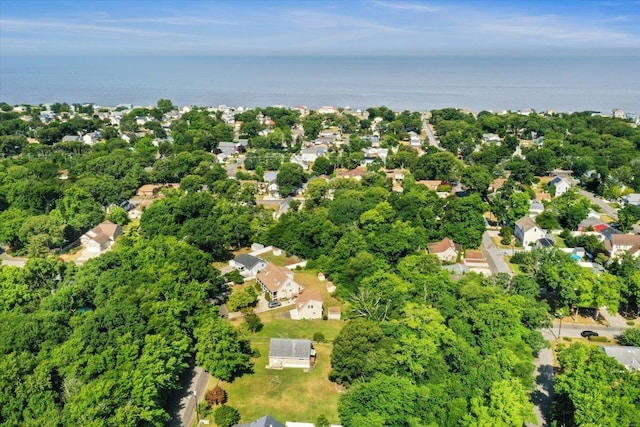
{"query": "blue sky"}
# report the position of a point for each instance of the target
(347, 27)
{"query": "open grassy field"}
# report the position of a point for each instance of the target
(281, 260)
(287, 394)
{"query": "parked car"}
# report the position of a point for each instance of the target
(588, 334)
(273, 304)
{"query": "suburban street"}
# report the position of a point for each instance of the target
(6, 259)
(183, 409)
(431, 135)
(612, 212)
(543, 395)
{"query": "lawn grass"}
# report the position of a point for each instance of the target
(287, 394)
(281, 260)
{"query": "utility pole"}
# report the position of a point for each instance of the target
(195, 395)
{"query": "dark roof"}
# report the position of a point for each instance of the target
(266, 421)
(248, 261)
(290, 348)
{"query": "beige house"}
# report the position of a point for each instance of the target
(291, 353)
(445, 250)
(528, 232)
(278, 282)
(308, 306)
(618, 244)
(100, 238)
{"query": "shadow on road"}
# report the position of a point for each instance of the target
(176, 401)
(543, 395)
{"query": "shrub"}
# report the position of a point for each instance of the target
(253, 322)
(216, 396)
(598, 339)
(630, 337)
(226, 416)
(319, 337)
(567, 338)
(234, 277)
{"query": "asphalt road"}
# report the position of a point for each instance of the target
(543, 395)
(183, 406)
(612, 212)
(431, 135)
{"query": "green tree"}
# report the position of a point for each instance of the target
(226, 416)
(477, 179)
(220, 351)
(359, 351)
(289, 178)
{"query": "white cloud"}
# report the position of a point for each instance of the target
(410, 7)
(40, 26)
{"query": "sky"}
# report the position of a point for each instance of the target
(306, 27)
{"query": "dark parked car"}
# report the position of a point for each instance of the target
(273, 304)
(589, 334)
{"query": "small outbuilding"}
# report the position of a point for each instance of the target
(248, 265)
(291, 353)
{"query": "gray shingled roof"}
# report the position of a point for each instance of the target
(266, 421)
(627, 356)
(249, 261)
(289, 348)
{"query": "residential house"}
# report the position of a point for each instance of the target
(278, 282)
(631, 199)
(310, 154)
(327, 110)
(308, 306)
(414, 140)
(445, 250)
(100, 238)
(71, 138)
(266, 421)
(491, 138)
(560, 185)
(248, 265)
(497, 184)
(618, 244)
(476, 262)
(627, 356)
(291, 353)
(371, 154)
(152, 190)
(92, 138)
(528, 232)
(430, 184)
(535, 208)
(356, 173)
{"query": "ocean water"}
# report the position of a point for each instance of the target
(495, 82)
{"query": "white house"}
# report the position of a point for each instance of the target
(528, 232)
(101, 237)
(561, 185)
(291, 353)
(445, 250)
(627, 356)
(278, 282)
(632, 199)
(618, 244)
(489, 138)
(308, 306)
(248, 265)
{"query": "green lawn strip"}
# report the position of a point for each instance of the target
(288, 394)
(281, 260)
(287, 328)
